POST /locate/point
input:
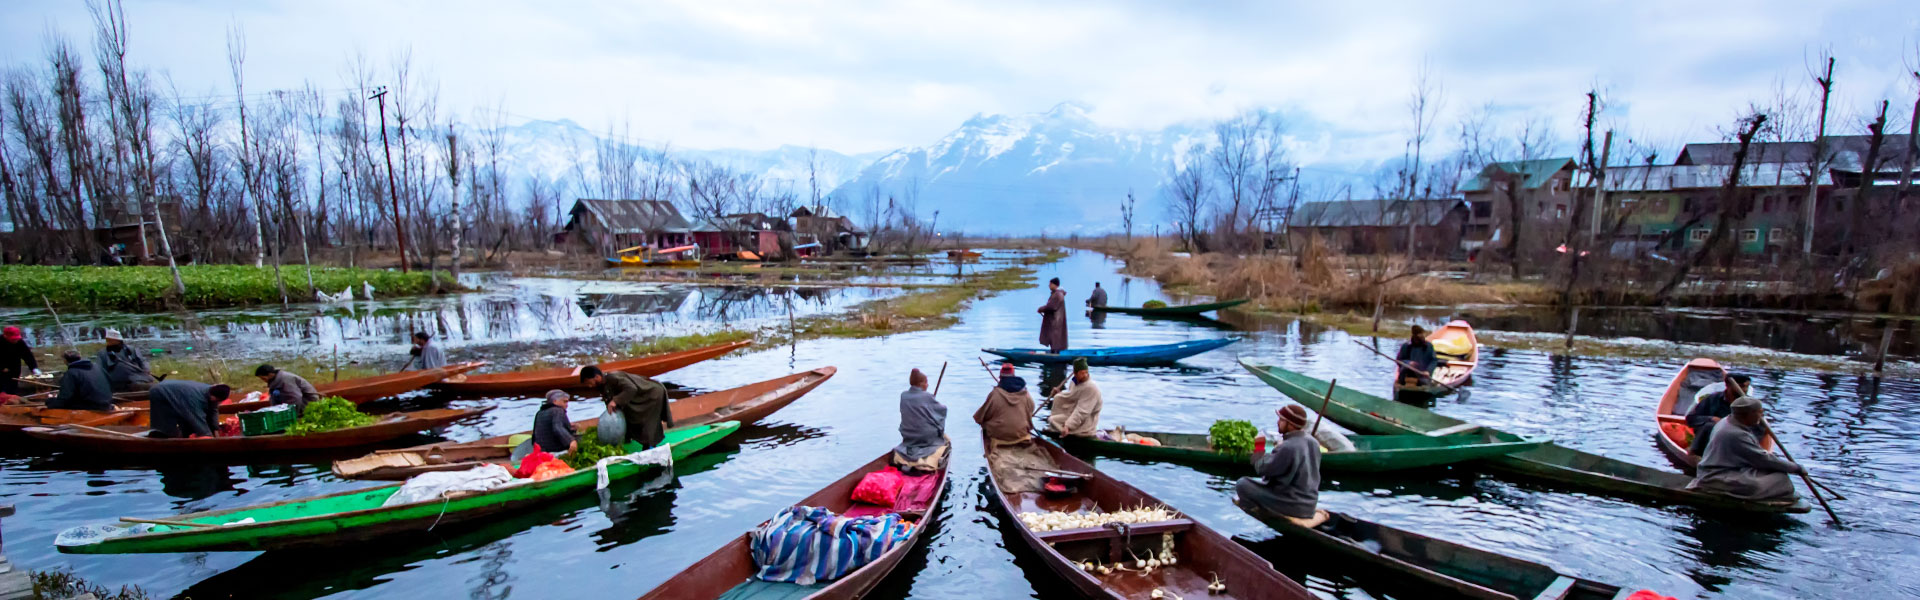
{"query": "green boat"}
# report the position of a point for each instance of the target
(357, 516)
(1172, 311)
(1371, 453)
(1550, 462)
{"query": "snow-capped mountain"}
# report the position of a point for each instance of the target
(1056, 171)
(551, 148)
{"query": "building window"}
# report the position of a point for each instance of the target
(1777, 235)
(1482, 210)
(1699, 235)
(1748, 236)
(1559, 211)
(1688, 205)
(1766, 203)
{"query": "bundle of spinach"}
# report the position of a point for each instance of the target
(328, 414)
(591, 450)
(1232, 436)
(1154, 304)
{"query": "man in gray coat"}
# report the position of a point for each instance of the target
(83, 386)
(287, 388)
(126, 369)
(426, 354)
(1737, 466)
(923, 426)
(1288, 484)
(183, 408)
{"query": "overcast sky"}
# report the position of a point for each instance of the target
(860, 77)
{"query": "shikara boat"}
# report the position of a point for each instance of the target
(745, 405)
(1550, 462)
(357, 391)
(1457, 352)
(1173, 311)
(15, 419)
(1203, 553)
(1371, 453)
(1120, 356)
(963, 255)
(729, 572)
(538, 381)
(1670, 416)
(1463, 571)
(128, 436)
(338, 519)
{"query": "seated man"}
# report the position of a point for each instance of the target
(1737, 466)
(1076, 411)
(1007, 415)
(183, 408)
(83, 386)
(923, 428)
(1417, 352)
(553, 433)
(1288, 484)
(1710, 405)
(287, 388)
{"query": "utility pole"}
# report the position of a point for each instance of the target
(1818, 162)
(1600, 187)
(399, 231)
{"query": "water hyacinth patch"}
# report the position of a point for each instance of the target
(145, 287)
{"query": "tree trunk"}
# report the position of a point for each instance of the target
(1728, 207)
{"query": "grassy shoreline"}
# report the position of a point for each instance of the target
(208, 286)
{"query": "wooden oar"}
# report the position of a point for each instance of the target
(942, 378)
(106, 431)
(1782, 445)
(165, 522)
(1323, 407)
(1416, 370)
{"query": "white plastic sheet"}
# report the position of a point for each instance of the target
(657, 455)
(433, 486)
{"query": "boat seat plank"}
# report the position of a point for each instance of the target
(1561, 586)
(1461, 428)
(754, 589)
(1101, 533)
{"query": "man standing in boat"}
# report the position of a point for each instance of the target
(1007, 415)
(641, 401)
(1053, 318)
(1712, 404)
(1098, 299)
(182, 409)
(16, 359)
(1418, 353)
(425, 353)
(1076, 410)
(923, 428)
(1736, 465)
(1288, 481)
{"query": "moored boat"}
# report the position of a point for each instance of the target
(1119, 355)
(355, 516)
(730, 571)
(127, 436)
(358, 391)
(1462, 571)
(1173, 311)
(14, 419)
(1456, 352)
(1670, 416)
(1203, 556)
(537, 381)
(745, 404)
(1371, 453)
(1550, 462)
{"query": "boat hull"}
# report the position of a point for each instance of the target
(538, 381)
(1119, 356)
(1372, 454)
(1172, 311)
(357, 391)
(125, 440)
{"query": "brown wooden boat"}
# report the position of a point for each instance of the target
(746, 404)
(537, 381)
(729, 571)
(357, 391)
(1202, 552)
(15, 418)
(127, 436)
(1670, 416)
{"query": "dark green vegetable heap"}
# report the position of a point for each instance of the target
(1154, 304)
(591, 450)
(1232, 436)
(328, 414)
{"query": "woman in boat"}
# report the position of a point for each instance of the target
(182, 409)
(1076, 411)
(425, 352)
(287, 388)
(1053, 318)
(553, 433)
(1007, 415)
(923, 428)
(1288, 484)
(83, 386)
(126, 370)
(1736, 465)
(1418, 352)
(642, 401)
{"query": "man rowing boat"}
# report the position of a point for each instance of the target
(1418, 352)
(1076, 410)
(923, 428)
(1736, 465)
(1007, 415)
(1711, 405)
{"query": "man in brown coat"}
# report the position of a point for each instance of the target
(1053, 318)
(1007, 415)
(641, 401)
(287, 388)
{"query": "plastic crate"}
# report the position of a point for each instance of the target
(266, 422)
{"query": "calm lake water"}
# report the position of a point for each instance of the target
(1857, 433)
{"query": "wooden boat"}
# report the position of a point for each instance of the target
(1457, 352)
(357, 391)
(729, 571)
(634, 261)
(1463, 571)
(538, 381)
(1121, 355)
(963, 254)
(356, 516)
(16, 418)
(1550, 462)
(1371, 453)
(746, 405)
(1204, 554)
(1670, 416)
(1173, 311)
(128, 436)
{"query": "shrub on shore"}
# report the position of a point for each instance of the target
(146, 287)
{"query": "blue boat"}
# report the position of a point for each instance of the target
(1123, 355)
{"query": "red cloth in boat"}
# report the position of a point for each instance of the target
(879, 487)
(531, 463)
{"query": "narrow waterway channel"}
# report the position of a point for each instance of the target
(1858, 433)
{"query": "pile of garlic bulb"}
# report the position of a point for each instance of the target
(1059, 521)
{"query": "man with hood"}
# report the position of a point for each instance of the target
(184, 408)
(1736, 465)
(553, 433)
(1076, 411)
(923, 427)
(126, 370)
(1053, 318)
(1007, 415)
(14, 354)
(83, 386)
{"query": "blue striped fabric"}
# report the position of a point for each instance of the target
(805, 544)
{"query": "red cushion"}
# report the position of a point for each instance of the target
(1648, 595)
(530, 464)
(879, 487)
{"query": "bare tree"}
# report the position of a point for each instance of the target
(1186, 194)
(1423, 104)
(1126, 215)
(1729, 209)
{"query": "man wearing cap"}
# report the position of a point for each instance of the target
(1288, 481)
(1053, 318)
(1076, 411)
(185, 408)
(287, 388)
(83, 386)
(1007, 415)
(639, 400)
(1418, 352)
(1737, 466)
(14, 355)
(126, 370)
(923, 427)
(553, 433)
(1712, 404)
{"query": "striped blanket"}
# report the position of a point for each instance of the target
(805, 545)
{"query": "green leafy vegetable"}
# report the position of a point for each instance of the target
(1154, 304)
(1232, 436)
(328, 414)
(591, 450)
